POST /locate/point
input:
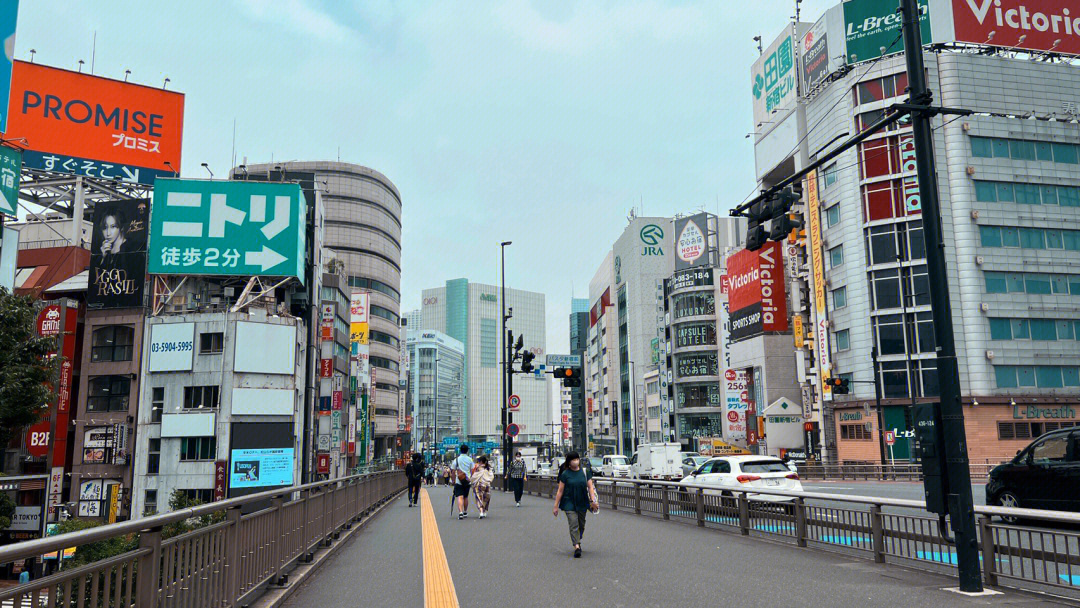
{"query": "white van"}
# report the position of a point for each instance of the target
(615, 465)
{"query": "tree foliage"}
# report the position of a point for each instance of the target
(26, 371)
(7, 510)
(92, 552)
(180, 500)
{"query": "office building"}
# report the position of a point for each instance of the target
(579, 334)
(470, 313)
(436, 383)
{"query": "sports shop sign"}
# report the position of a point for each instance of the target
(756, 291)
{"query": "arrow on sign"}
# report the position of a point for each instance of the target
(266, 259)
(131, 177)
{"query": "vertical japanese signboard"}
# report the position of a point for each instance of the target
(87, 125)
(817, 273)
(358, 319)
(774, 81)
(227, 228)
(10, 167)
(118, 254)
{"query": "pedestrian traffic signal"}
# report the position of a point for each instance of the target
(840, 386)
(526, 362)
(570, 376)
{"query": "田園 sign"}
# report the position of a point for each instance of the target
(230, 228)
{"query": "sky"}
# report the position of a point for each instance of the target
(537, 122)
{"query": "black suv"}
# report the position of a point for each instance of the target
(1044, 475)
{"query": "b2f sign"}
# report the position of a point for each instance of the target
(227, 228)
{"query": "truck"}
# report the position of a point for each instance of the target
(662, 461)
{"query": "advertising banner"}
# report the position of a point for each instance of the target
(227, 228)
(88, 125)
(326, 322)
(773, 79)
(9, 16)
(873, 25)
(757, 294)
(118, 254)
(257, 468)
(697, 364)
(91, 490)
(691, 241)
(1045, 26)
(26, 519)
(821, 48)
(697, 277)
(171, 347)
(221, 469)
(817, 273)
(735, 403)
(10, 168)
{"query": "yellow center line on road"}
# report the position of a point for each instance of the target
(439, 589)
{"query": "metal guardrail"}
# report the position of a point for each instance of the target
(222, 564)
(1043, 555)
(880, 472)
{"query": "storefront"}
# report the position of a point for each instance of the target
(996, 427)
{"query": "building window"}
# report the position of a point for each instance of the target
(886, 288)
(836, 256)
(203, 495)
(854, 432)
(366, 283)
(829, 176)
(211, 343)
(880, 89)
(1028, 430)
(839, 297)
(157, 403)
(108, 394)
(153, 456)
(843, 340)
(1029, 238)
(198, 448)
(1022, 149)
(385, 313)
(150, 502)
(384, 338)
(1041, 376)
(112, 343)
(384, 363)
(832, 216)
(201, 397)
(1032, 283)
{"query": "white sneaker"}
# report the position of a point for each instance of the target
(519, 504)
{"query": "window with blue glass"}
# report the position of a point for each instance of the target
(1023, 149)
(1040, 376)
(1032, 282)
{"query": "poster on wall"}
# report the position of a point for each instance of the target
(258, 468)
(117, 273)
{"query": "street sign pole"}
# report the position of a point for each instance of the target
(960, 504)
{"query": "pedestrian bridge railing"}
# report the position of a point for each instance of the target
(225, 563)
(883, 472)
(1042, 554)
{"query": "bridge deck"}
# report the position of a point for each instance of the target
(522, 557)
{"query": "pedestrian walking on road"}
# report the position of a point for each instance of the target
(414, 472)
(576, 497)
(517, 476)
(461, 468)
(429, 475)
(481, 479)
(446, 475)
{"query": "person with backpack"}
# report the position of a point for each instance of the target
(517, 474)
(414, 472)
(460, 469)
(481, 479)
(576, 497)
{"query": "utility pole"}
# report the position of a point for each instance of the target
(959, 500)
(877, 404)
(507, 359)
(508, 416)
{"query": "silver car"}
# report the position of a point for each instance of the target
(691, 464)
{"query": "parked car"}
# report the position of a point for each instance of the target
(615, 465)
(691, 463)
(1044, 475)
(722, 474)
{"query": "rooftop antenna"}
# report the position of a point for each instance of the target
(126, 74)
(166, 83)
(93, 53)
(32, 52)
(797, 11)
(233, 163)
(757, 39)
(207, 167)
(81, 62)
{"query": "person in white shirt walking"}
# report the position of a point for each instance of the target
(460, 469)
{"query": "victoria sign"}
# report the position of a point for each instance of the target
(756, 295)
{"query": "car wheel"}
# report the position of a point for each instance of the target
(1009, 499)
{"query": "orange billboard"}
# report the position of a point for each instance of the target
(89, 125)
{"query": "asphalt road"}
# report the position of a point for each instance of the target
(907, 490)
(522, 557)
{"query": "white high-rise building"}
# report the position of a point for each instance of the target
(470, 313)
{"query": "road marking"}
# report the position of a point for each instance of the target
(439, 589)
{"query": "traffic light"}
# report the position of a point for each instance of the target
(570, 376)
(526, 362)
(780, 210)
(755, 236)
(840, 386)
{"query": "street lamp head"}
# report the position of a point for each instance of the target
(505, 243)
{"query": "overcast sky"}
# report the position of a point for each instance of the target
(538, 122)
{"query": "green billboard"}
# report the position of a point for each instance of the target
(10, 168)
(873, 25)
(228, 228)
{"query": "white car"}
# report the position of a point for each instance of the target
(616, 466)
(723, 474)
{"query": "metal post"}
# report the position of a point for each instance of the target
(988, 557)
(877, 532)
(148, 574)
(637, 498)
(744, 514)
(960, 505)
(665, 502)
(507, 362)
(800, 522)
(877, 404)
(700, 507)
(232, 555)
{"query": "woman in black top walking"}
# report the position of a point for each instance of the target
(414, 471)
(517, 477)
(576, 497)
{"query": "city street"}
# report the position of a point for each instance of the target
(905, 490)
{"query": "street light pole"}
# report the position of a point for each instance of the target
(958, 474)
(506, 359)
